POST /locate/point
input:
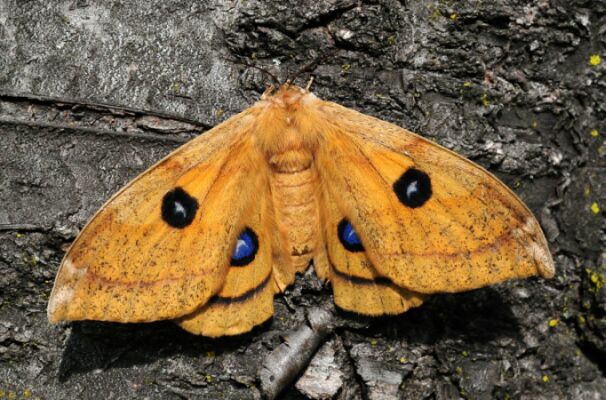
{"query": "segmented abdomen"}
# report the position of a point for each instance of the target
(295, 195)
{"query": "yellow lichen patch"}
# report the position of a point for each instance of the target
(595, 208)
(485, 101)
(598, 279)
(595, 60)
(465, 88)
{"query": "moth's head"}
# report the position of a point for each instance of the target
(287, 119)
(288, 96)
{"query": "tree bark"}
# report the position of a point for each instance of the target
(93, 92)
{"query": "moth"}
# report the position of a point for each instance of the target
(208, 235)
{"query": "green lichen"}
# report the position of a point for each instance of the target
(485, 100)
(597, 279)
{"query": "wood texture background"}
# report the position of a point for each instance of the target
(507, 83)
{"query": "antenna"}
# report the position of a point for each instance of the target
(276, 81)
(311, 65)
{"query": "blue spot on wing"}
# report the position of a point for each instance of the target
(349, 237)
(246, 248)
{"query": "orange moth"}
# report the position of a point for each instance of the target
(209, 235)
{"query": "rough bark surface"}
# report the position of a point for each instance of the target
(516, 86)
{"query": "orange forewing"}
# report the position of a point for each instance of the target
(473, 231)
(128, 265)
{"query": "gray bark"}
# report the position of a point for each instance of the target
(507, 83)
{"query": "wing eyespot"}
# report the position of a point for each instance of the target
(413, 188)
(349, 237)
(246, 248)
(178, 208)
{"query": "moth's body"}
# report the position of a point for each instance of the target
(209, 234)
(293, 179)
(297, 209)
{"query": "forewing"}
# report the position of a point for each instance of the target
(429, 220)
(161, 247)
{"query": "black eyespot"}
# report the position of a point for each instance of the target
(413, 188)
(349, 237)
(246, 248)
(178, 208)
